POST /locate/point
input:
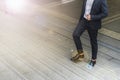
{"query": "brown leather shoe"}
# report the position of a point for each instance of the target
(78, 57)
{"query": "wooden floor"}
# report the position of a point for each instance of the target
(39, 47)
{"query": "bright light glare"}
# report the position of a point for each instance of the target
(15, 5)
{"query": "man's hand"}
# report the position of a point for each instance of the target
(88, 17)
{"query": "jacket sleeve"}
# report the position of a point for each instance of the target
(104, 11)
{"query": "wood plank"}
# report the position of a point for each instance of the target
(19, 67)
(5, 71)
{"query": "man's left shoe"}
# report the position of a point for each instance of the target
(92, 63)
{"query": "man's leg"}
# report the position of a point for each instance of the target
(93, 39)
(76, 37)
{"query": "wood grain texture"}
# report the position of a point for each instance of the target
(40, 48)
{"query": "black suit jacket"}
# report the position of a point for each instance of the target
(98, 12)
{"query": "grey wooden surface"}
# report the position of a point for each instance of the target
(39, 47)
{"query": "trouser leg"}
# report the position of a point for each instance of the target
(77, 33)
(94, 44)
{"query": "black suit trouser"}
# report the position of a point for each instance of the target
(81, 27)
